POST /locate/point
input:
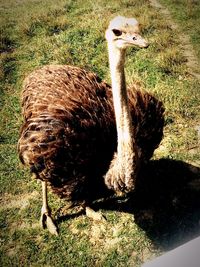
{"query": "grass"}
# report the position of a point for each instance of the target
(186, 13)
(163, 211)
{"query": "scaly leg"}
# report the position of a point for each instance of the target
(46, 221)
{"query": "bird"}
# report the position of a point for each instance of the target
(80, 134)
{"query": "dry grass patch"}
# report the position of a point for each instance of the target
(21, 201)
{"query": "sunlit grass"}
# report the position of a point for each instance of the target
(186, 13)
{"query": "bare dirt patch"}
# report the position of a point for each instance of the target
(188, 50)
(9, 201)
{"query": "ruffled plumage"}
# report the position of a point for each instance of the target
(69, 134)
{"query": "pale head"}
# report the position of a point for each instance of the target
(123, 32)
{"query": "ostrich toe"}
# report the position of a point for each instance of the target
(96, 216)
(46, 221)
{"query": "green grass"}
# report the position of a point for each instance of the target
(186, 13)
(163, 211)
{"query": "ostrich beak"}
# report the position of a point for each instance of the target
(138, 40)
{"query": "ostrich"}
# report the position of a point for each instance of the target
(80, 134)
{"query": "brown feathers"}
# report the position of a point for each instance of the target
(69, 134)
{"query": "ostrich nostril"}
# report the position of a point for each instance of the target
(134, 38)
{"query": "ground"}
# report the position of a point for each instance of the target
(164, 211)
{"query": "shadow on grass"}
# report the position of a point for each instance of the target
(165, 204)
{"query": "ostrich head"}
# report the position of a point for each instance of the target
(123, 32)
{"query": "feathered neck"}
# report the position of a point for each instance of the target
(120, 98)
(127, 154)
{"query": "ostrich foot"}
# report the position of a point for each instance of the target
(46, 221)
(96, 216)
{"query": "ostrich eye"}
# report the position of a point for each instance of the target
(117, 32)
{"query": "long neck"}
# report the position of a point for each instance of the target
(126, 148)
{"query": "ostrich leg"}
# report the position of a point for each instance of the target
(46, 221)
